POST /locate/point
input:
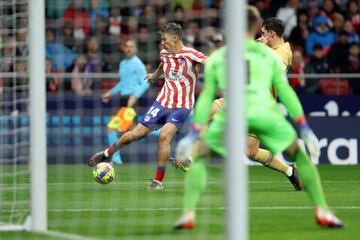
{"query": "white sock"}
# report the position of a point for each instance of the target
(289, 171)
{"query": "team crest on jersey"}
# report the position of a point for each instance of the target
(181, 61)
(147, 118)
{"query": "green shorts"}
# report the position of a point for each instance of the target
(214, 136)
(273, 131)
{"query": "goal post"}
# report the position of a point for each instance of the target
(37, 114)
(236, 171)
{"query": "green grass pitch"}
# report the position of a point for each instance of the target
(124, 209)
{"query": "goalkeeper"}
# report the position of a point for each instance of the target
(272, 35)
(264, 119)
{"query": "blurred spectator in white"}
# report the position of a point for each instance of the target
(115, 21)
(78, 16)
(217, 41)
(320, 35)
(61, 56)
(352, 35)
(81, 82)
(193, 34)
(300, 33)
(297, 67)
(288, 15)
(96, 11)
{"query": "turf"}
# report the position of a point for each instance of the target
(124, 209)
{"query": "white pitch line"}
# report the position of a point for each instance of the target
(66, 236)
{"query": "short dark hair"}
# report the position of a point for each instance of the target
(172, 28)
(318, 46)
(274, 24)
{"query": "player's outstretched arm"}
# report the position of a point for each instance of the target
(152, 77)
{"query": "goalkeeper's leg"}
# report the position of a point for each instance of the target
(195, 183)
(269, 160)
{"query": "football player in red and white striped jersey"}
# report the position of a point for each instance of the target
(181, 66)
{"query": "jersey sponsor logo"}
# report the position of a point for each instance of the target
(147, 118)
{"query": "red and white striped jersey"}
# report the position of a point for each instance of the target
(181, 70)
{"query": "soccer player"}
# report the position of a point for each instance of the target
(263, 119)
(131, 87)
(272, 30)
(181, 66)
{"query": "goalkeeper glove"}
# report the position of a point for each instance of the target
(103, 156)
(184, 146)
(309, 137)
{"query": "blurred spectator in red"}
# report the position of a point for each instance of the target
(320, 35)
(78, 16)
(328, 9)
(53, 84)
(81, 82)
(352, 35)
(339, 52)
(353, 13)
(297, 67)
(263, 6)
(300, 33)
(288, 15)
(96, 11)
(317, 64)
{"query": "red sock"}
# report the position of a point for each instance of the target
(160, 173)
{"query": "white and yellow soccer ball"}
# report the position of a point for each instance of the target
(103, 173)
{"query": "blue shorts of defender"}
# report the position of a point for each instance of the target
(176, 116)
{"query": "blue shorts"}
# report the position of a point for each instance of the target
(176, 116)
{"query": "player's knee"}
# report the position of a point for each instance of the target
(164, 138)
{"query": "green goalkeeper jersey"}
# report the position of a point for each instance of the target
(263, 71)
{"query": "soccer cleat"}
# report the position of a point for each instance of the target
(326, 218)
(96, 158)
(186, 221)
(155, 185)
(183, 165)
(294, 179)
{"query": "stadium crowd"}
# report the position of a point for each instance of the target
(87, 36)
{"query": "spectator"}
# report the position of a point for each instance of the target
(193, 37)
(288, 15)
(96, 11)
(317, 64)
(77, 15)
(352, 35)
(321, 35)
(338, 23)
(300, 33)
(93, 54)
(297, 67)
(115, 21)
(353, 66)
(353, 14)
(339, 52)
(81, 83)
(53, 84)
(61, 57)
(217, 41)
(328, 9)
(179, 16)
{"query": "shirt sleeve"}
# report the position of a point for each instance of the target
(197, 56)
(140, 76)
(286, 93)
(208, 94)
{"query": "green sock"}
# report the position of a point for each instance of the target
(195, 183)
(310, 178)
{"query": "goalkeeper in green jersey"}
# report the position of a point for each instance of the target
(263, 118)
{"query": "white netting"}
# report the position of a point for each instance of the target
(14, 122)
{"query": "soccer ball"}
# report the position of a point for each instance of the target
(103, 173)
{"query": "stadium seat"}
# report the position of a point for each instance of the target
(334, 87)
